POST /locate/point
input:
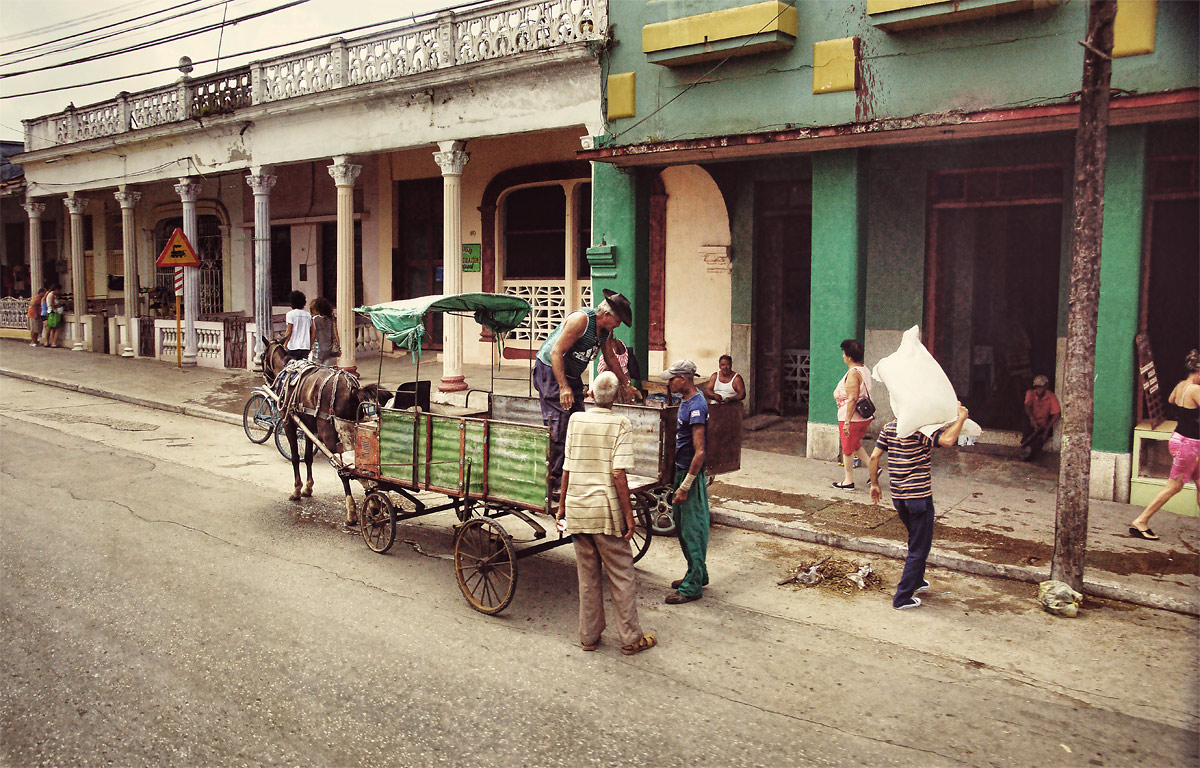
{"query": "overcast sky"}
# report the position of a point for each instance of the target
(29, 22)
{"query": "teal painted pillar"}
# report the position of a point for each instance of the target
(1120, 290)
(619, 253)
(838, 278)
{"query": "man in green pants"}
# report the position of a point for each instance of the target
(690, 502)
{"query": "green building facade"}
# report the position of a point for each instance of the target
(775, 177)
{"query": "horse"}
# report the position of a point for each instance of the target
(317, 396)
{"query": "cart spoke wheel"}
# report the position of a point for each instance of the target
(485, 563)
(258, 418)
(378, 521)
(643, 531)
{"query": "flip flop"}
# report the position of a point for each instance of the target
(1138, 533)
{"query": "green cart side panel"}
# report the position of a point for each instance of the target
(516, 456)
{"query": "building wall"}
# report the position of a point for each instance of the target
(1024, 58)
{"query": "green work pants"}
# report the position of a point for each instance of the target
(691, 520)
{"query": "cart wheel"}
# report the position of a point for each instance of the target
(662, 521)
(281, 442)
(258, 418)
(643, 531)
(378, 521)
(486, 565)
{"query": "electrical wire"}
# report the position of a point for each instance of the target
(322, 36)
(72, 36)
(78, 20)
(155, 42)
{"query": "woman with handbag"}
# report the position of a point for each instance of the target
(855, 409)
(54, 318)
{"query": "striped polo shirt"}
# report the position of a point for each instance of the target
(909, 460)
(598, 442)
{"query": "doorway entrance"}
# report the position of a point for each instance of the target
(991, 284)
(782, 273)
(1170, 312)
(417, 261)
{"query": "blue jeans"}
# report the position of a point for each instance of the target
(917, 516)
(553, 415)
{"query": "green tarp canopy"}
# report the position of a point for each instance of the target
(402, 321)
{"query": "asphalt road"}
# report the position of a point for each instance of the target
(164, 604)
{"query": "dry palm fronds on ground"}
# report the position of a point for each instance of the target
(835, 574)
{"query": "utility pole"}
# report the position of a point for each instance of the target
(1091, 145)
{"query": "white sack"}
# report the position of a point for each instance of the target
(920, 391)
(969, 429)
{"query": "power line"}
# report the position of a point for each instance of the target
(152, 43)
(64, 38)
(251, 52)
(49, 28)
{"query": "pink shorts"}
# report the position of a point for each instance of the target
(1187, 458)
(853, 441)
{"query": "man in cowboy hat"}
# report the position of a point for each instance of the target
(565, 355)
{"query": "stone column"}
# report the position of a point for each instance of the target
(36, 279)
(344, 174)
(452, 159)
(189, 193)
(261, 182)
(128, 200)
(76, 206)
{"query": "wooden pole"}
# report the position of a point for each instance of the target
(1091, 145)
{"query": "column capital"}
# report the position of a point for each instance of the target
(76, 205)
(344, 173)
(127, 198)
(35, 210)
(261, 183)
(452, 158)
(188, 190)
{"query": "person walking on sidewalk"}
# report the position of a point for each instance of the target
(690, 499)
(909, 462)
(594, 503)
(564, 356)
(54, 318)
(35, 317)
(854, 388)
(1184, 406)
(326, 345)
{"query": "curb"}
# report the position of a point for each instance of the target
(954, 562)
(196, 411)
(881, 547)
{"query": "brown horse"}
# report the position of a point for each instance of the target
(318, 396)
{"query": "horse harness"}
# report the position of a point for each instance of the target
(301, 376)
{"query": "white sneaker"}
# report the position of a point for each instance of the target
(913, 602)
(923, 588)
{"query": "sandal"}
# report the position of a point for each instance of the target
(590, 646)
(647, 642)
(1147, 534)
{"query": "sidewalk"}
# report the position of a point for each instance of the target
(995, 517)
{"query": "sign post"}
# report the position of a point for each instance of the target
(178, 253)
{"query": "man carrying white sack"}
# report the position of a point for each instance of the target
(927, 413)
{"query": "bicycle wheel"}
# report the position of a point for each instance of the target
(258, 418)
(281, 442)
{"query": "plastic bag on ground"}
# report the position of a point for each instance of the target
(1059, 599)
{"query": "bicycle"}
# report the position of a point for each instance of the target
(261, 419)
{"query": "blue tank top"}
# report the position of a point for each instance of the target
(575, 359)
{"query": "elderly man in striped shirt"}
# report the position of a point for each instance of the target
(594, 502)
(909, 461)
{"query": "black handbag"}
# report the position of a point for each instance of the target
(865, 407)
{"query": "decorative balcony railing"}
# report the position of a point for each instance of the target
(441, 40)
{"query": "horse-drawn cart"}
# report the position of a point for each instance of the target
(490, 463)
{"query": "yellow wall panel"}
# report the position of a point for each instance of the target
(1133, 32)
(835, 65)
(622, 95)
(749, 20)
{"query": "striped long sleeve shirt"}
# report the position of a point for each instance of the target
(909, 461)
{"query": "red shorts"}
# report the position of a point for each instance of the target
(853, 441)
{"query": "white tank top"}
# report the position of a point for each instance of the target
(725, 388)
